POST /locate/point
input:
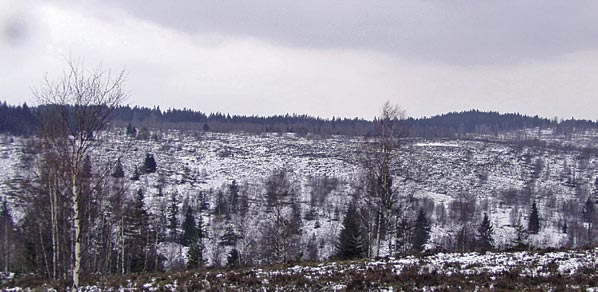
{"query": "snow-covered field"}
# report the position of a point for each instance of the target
(547, 271)
(503, 178)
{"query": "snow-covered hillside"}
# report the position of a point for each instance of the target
(502, 178)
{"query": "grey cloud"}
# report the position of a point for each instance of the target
(455, 32)
(15, 23)
(14, 32)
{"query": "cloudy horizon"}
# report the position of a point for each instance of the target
(321, 58)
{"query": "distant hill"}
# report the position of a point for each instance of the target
(22, 120)
(474, 121)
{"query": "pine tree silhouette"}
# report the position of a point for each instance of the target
(421, 232)
(118, 170)
(485, 240)
(149, 163)
(533, 225)
(189, 227)
(349, 244)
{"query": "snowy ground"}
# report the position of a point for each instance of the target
(435, 170)
(546, 271)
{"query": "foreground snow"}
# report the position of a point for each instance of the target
(558, 270)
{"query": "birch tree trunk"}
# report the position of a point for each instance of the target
(77, 226)
(75, 108)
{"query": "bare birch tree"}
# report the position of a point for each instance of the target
(74, 109)
(386, 204)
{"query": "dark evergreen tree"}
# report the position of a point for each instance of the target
(136, 232)
(196, 250)
(233, 258)
(229, 238)
(349, 243)
(189, 228)
(520, 241)
(8, 238)
(173, 213)
(233, 190)
(149, 163)
(533, 225)
(296, 222)
(118, 171)
(421, 231)
(131, 131)
(485, 240)
(221, 207)
(588, 214)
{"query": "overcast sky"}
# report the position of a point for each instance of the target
(322, 58)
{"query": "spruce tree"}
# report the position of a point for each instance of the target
(588, 211)
(118, 170)
(233, 190)
(195, 254)
(189, 227)
(421, 231)
(229, 238)
(520, 241)
(349, 243)
(587, 215)
(485, 240)
(136, 233)
(233, 259)
(7, 237)
(533, 225)
(296, 222)
(131, 131)
(149, 163)
(173, 212)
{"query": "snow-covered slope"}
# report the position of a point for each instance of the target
(503, 178)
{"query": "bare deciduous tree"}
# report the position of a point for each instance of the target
(381, 194)
(281, 238)
(74, 109)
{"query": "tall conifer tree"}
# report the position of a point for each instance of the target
(349, 243)
(533, 225)
(421, 232)
(485, 240)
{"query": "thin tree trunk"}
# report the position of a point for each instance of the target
(6, 247)
(107, 246)
(378, 233)
(122, 244)
(146, 251)
(53, 210)
(41, 240)
(77, 225)
(156, 244)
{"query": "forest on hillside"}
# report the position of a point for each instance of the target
(24, 120)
